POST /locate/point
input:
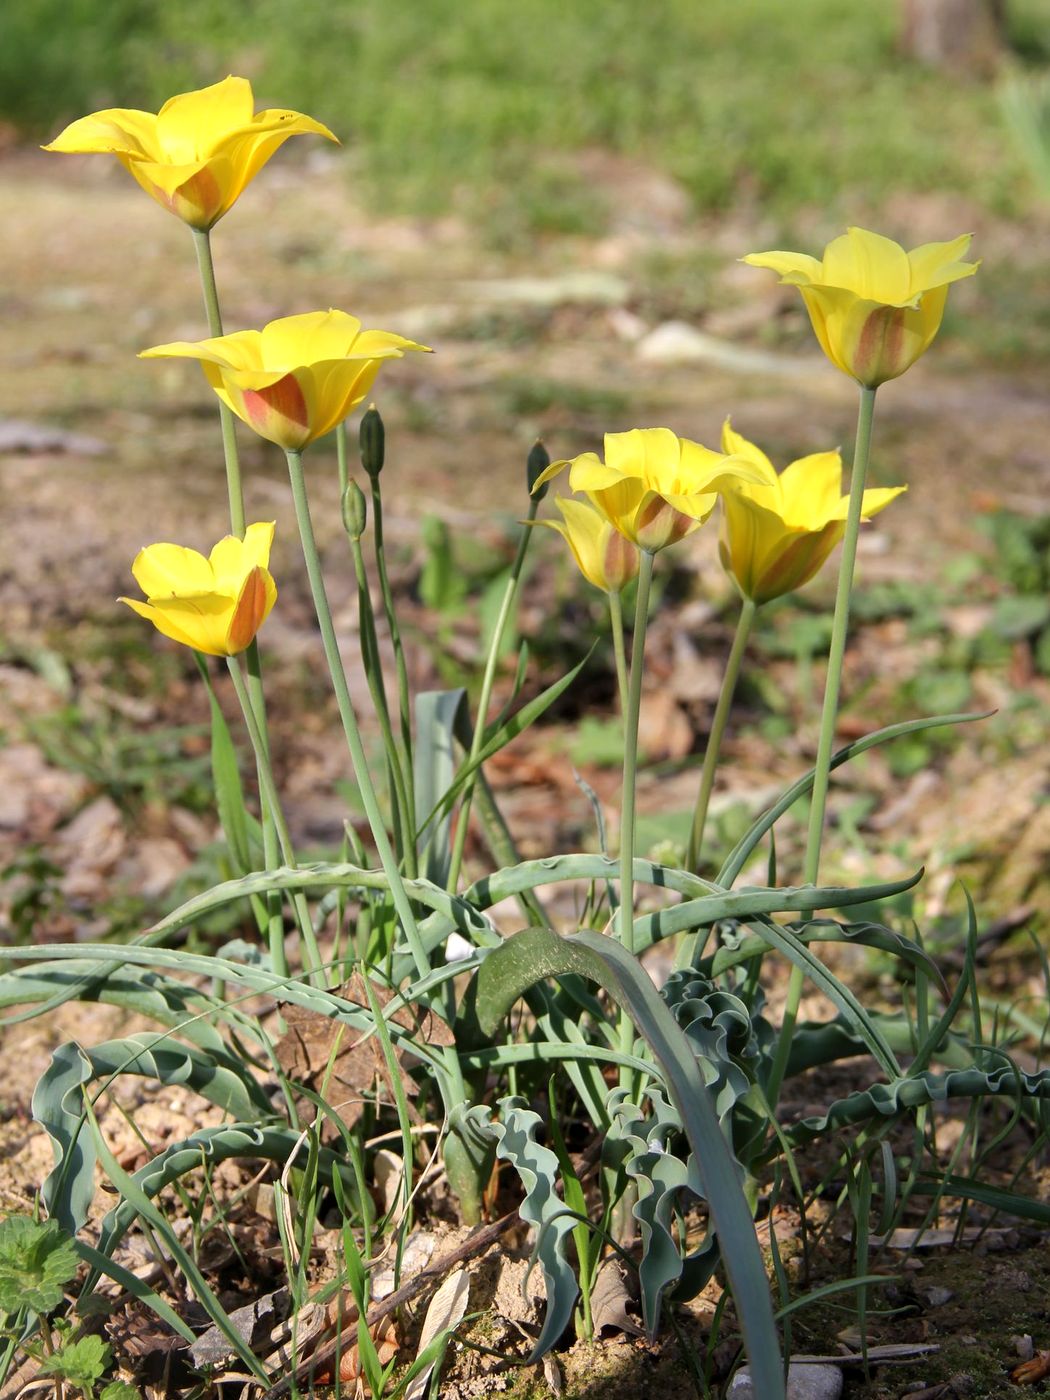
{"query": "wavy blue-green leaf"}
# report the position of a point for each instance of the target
(660, 1178)
(741, 852)
(533, 954)
(58, 1105)
(915, 1091)
(865, 935)
(251, 979)
(537, 1167)
(209, 1147)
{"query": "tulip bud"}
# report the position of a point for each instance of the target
(536, 464)
(355, 510)
(373, 442)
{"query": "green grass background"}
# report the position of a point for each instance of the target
(480, 105)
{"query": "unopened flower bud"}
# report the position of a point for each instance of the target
(373, 442)
(536, 463)
(355, 511)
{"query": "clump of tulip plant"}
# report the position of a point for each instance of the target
(395, 946)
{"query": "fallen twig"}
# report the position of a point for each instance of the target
(324, 1357)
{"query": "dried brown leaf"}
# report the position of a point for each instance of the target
(446, 1311)
(609, 1300)
(314, 1042)
(1032, 1372)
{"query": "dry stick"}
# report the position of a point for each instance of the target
(476, 1243)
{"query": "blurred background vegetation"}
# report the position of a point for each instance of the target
(605, 163)
(482, 106)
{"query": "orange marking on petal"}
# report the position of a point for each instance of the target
(283, 399)
(198, 200)
(249, 613)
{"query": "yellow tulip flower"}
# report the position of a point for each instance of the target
(777, 534)
(196, 155)
(604, 557)
(298, 377)
(215, 605)
(653, 487)
(875, 308)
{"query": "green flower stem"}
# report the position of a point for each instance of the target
(342, 458)
(451, 1083)
(373, 670)
(630, 767)
(403, 694)
(358, 758)
(271, 844)
(616, 618)
(836, 654)
(202, 243)
(312, 961)
(718, 728)
(630, 751)
(235, 492)
(510, 593)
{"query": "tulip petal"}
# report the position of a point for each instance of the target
(652, 455)
(551, 471)
(115, 131)
(812, 491)
(696, 505)
(257, 596)
(191, 124)
(291, 341)
(382, 345)
(258, 541)
(334, 391)
(164, 570)
(878, 498)
(241, 351)
(734, 444)
(587, 473)
(201, 623)
(869, 265)
(199, 193)
(232, 557)
(937, 264)
(794, 268)
(284, 122)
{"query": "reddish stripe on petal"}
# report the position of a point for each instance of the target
(266, 408)
(879, 349)
(248, 614)
(198, 200)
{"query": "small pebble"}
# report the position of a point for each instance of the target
(936, 1296)
(804, 1383)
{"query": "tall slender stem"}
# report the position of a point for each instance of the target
(202, 243)
(235, 492)
(451, 1083)
(342, 458)
(630, 769)
(487, 681)
(399, 799)
(836, 655)
(619, 650)
(839, 631)
(718, 729)
(404, 700)
(630, 752)
(345, 705)
(273, 804)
